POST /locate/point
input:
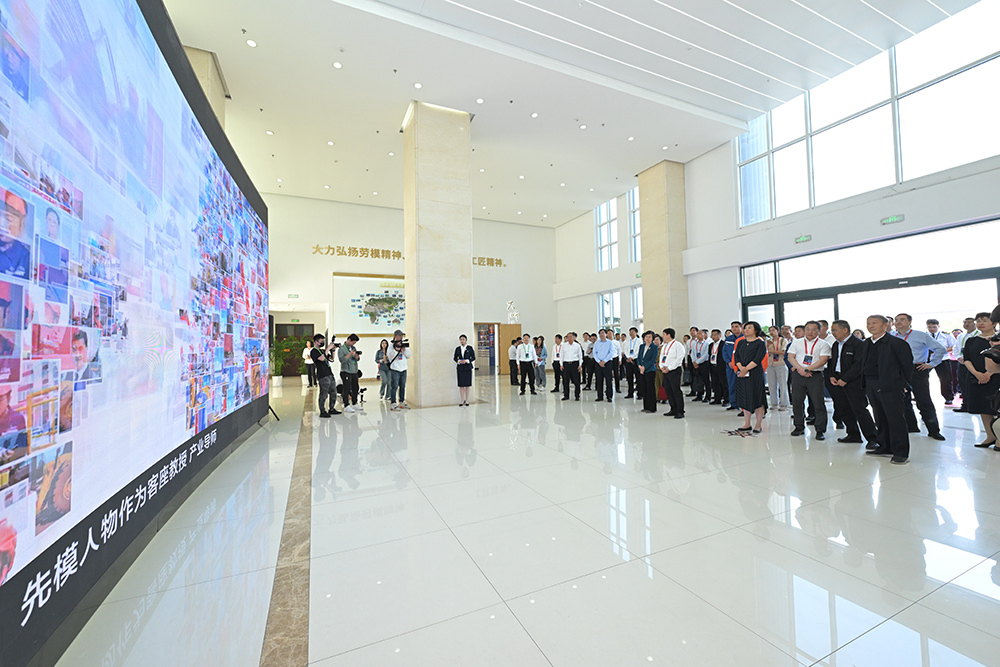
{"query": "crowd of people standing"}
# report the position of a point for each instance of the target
(871, 381)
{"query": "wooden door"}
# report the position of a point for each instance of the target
(507, 332)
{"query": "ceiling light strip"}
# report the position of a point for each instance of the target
(693, 45)
(601, 55)
(939, 8)
(878, 49)
(790, 33)
(741, 39)
(867, 4)
(649, 51)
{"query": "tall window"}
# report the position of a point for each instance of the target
(635, 242)
(925, 105)
(637, 303)
(606, 217)
(609, 305)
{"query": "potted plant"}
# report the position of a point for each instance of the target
(276, 361)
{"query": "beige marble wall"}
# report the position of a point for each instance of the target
(437, 222)
(664, 239)
(206, 69)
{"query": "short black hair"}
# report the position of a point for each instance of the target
(318, 337)
(353, 337)
(670, 332)
(811, 322)
(842, 324)
(635, 330)
(933, 322)
(718, 331)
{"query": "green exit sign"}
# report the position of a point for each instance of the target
(893, 219)
(294, 321)
(638, 275)
(293, 296)
(805, 238)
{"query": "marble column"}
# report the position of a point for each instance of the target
(206, 68)
(664, 239)
(437, 221)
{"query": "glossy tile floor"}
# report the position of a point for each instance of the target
(525, 530)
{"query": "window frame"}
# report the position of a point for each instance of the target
(611, 224)
(634, 235)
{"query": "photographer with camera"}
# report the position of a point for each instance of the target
(348, 357)
(324, 376)
(398, 353)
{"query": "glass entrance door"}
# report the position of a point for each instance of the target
(795, 313)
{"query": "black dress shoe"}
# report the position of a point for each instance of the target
(913, 430)
(799, 431)
(679, 415)
(669, 414)
(324, 415)
(598, 400)
(716, 403)
(628, 396)
(898, 460)
(839, 426)
(554, 391)
(577, 398)
(937, 436)
(821, 436)
(810, 421)
(871, 446)
(732, 407)
(521, 394)
(565, 398)
(850, 438)
(879, 452)
(705, 400)
(980, 444)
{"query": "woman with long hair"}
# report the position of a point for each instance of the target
(383, 368)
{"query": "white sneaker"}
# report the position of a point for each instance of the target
(394, 407)
(349, 409)
(404, 406)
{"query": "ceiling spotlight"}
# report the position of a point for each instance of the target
(562, 185)
(631, 138)
(374, 193)
(269, 133)
(280, 181)
(519, 213)
(391, 153)
(534, 115)
(664, 147)
(481, 170)
(326, 187)
(583, 127)
(545, 216)
(417, 85)
(479, 101)
(329, 143)
(484, 208)
(591, 189)
(252, 44)
(337, 65)
(521, 177)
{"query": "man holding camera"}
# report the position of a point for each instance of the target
(324, 376)
(348, 358)
(397, 357)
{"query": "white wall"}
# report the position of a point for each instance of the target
(317, 319)
(577, 280)
(717, 247)
(296, 225)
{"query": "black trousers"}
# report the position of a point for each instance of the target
(703, 381)
(947, 373)
(813, 388)
(632, 376)
(617, 370)
(648, 380)
(349, 388)
(852, 406)
(588, 371)
(963, 381)
(513, 373)
(920, 390)
(890, 418)
(528, 373)
(557, 374)
(311, 370)
(672, 384)
(571, 373)
(605, 377)
(720, 384)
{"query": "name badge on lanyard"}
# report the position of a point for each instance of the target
(807, 358)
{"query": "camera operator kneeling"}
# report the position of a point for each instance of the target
(348, 357)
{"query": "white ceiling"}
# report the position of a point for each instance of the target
(681, 74)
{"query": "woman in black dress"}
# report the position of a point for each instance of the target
(750, 362)
(983, 385)
(464, 356)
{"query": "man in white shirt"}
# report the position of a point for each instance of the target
(947, 370)
(701, 373)
(617, 362)
(808, 356)
(631, 353)
(512, 356)
(557, 362)
(398, 353)
(527, 359)
(672, 355)
(826, 334)
(572, 355)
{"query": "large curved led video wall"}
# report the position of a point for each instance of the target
(133, 295)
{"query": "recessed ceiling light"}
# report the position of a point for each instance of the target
(583, 127)
(252, 44)
(481, 170)
(591, 189)
(374, 193)
(391, 153)
(521, 177)
(417, 85)
(545, 216)
(280, 181)
(665, 147)
(329, 143)
(326, 187)
(534, 115)
(519, 213)
(337, 65)
(562, 185)
(631, 138)
(484, 208)
(479, 100)
(269, 133)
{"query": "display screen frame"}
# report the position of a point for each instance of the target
(50, 630)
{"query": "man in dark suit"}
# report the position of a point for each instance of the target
(845, 378)
(888, 367)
